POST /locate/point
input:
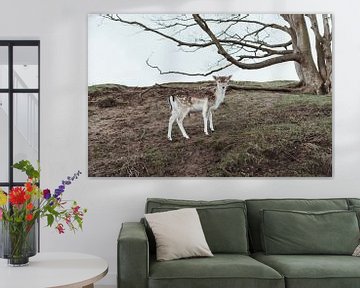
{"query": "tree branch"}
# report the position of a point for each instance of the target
(146, 28)
(267, 45)
(179, 42)
(253, 46)
(327, 32)
(273, 25)
(315, 26)
(187, 73)
(224, 53)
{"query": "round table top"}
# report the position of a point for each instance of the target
(58, 269)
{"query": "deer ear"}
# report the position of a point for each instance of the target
(215, 78)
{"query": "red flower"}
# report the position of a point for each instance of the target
(29, 217)
(29, 206)
(60, 228)
(75, 209)
(27, 196)
(17, 196)
(28, 186)
(68, 219)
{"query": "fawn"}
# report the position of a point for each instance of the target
(181, 106)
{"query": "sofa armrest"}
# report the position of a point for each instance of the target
(133, 256)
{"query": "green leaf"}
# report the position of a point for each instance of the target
(79, 221)
(53, 211)
(26, 167)
(50, 219)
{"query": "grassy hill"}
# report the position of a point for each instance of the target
(257, 133)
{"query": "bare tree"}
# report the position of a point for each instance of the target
(249, 43)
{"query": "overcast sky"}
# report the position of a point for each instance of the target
(117, 53)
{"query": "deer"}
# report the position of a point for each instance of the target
(181, 106)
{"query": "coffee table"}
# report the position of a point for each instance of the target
(50, 270)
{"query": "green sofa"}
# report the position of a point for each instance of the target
(236, 234)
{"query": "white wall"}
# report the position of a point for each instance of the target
(62, 28)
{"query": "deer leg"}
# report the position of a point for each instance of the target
(211, 121)
(205, 116)
(172, 119)
(179, 121)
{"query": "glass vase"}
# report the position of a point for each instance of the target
(18, 242)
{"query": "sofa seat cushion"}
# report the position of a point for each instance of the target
(313, 271)
(222, 270)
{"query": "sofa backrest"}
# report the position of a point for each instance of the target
(256, 205)
(353, 202)
(223, 221)
(354, 205)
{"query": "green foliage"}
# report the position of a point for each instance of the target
(50, 219)
(26, 167)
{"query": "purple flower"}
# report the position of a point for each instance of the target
(46, 194)
(58, 192)
(68, 181)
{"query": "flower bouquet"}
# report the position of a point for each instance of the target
(21, 208)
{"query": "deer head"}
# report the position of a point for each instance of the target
(222, 82)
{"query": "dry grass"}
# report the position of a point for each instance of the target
(257, 133)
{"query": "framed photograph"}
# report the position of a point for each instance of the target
(210, 95)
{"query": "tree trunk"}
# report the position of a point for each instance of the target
(299, 73)
(307, 70)
(327, 52)
(323, 49)
(313, 83)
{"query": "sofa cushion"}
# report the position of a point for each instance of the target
(313, 271)
(222, 270)
(354, 205)
(223, 221)
(353, 201)
(255, 206)
(356, 209)
(178, 234)
(297, 232)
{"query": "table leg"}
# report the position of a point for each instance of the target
(89, 286)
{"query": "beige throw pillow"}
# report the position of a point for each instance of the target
(178, 234)
(357, 251)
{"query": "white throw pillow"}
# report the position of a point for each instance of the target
(178, 234)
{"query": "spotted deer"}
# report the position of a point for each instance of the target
(181, 106)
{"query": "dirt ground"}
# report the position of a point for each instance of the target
(257, 133)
